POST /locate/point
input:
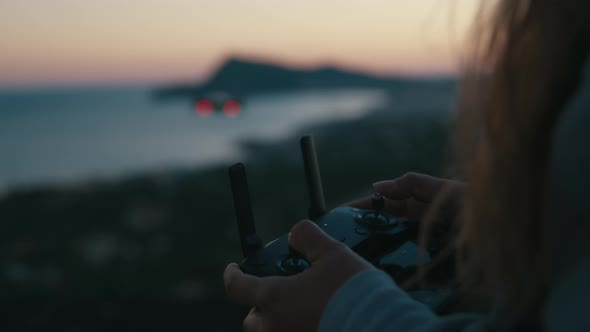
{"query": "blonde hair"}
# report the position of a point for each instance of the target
(524, 61)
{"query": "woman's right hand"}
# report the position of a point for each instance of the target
(412, 194)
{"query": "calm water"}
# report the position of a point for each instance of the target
(58, 136)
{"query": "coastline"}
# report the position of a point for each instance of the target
(165, 238)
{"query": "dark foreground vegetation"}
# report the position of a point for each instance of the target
(147, 253)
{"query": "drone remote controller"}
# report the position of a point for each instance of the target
(384, 240)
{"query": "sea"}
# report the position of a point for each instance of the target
(76, 134)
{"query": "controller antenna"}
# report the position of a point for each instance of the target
(317, 206)
(250, 241)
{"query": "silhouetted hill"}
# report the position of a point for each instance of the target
(243, 77)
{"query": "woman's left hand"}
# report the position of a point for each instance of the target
(295, 303)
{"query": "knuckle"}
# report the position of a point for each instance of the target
(410, 177)
(299, 227)
(302, 226)
(296, 228)
(299, 230)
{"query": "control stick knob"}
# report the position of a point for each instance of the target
(294, 263)
(376, 219)
(377, 202)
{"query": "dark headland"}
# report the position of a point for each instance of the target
(238, 76)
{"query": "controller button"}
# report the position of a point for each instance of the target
(378, 220)
(293, 265)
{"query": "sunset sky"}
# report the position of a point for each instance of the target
(70, 42)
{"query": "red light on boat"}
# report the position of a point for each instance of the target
(204, 107)
(232, 108)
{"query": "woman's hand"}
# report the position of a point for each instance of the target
(412, 194)
(295, 303)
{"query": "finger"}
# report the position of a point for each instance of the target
(254, 322)
(241, 287)
(307, 238)
(396, 208)
(420, 186)
(252, 290)
(415, 209)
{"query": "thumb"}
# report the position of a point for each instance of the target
(310, 240)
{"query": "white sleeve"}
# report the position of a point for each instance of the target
(371, 302)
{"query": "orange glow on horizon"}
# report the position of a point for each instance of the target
(72, 42)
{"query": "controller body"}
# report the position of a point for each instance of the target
(344, 224)
(390, 247)
(387, 242)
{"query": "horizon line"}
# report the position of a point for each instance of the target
(257, 59)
